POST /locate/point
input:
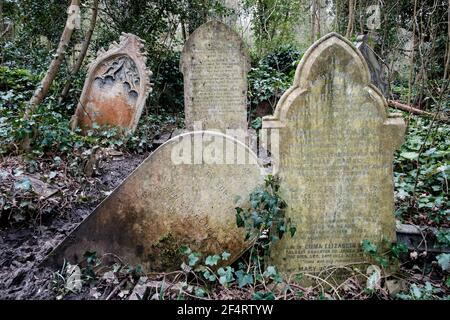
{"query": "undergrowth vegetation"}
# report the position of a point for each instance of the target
(252, 276)
(50, 178)
(58, 157)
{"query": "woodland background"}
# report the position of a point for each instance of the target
(38, 150)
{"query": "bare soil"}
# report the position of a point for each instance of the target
(24, 246)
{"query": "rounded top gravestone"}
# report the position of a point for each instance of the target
(182, 195)
(214, 64)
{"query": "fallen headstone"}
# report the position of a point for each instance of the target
(182, 195)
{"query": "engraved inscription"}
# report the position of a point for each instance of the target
(215, 66)
(335, 160)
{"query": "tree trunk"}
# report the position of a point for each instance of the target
(447, 55)
(52, 71)
(83, 51)
(313, 21)
(351, 18)
(1, 17)
(410, 109)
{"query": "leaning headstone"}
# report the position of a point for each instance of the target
(116, 87)
(377, 70)
(184, 194)
(214, 64)
(334, 158)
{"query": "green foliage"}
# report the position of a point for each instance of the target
(168, 85)
(49, 123)
(444, 261)
(264, 222)
(51, 139)
(420, 292)
(92, 273)
(212, 260)
(424, 192)
(273, 75)
(384, 259)
(261, 295)
(443, 237)
(273, 22)
(228, 275)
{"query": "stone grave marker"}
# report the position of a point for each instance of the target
(376, 68)
(334, 158)
(214, 64)
(184, 194)
(116, 87)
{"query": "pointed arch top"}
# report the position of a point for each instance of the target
(309, 69)
(334, 41)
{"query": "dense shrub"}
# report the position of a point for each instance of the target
(421, 171)
(272, 75)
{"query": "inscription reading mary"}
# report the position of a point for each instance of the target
(215, 63)
(335, 159)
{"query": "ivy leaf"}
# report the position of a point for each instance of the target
(212, 260)
(209, 276)
(444, 261)
(397, 249)
(270, 271)
(185, 250)
(25, 184)
(255, 204)
(243, 278)
(369, 247)
(415, 291)
(193, 259)
(409, 155)
(292, 230)
(384, 262)
(261, 295)
(199, 292)
(239, 221)
(225, 275)
(225, 255)
(257, 123)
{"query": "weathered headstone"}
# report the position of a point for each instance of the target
(116, 87)
(335, 154)
(215, 63)
(182, 195)
(377, 70)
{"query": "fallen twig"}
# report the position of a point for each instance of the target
(404, 107)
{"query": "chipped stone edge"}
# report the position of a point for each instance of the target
(132, 46)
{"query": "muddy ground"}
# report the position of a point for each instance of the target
(24, 247)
